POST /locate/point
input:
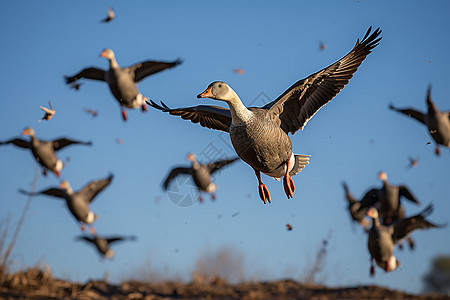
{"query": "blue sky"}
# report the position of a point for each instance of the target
(352, 138)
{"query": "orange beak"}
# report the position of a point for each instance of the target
(206, 94)
(103, 54)
(26, 132)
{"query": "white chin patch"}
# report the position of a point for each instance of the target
(281, 171)
(392, 263)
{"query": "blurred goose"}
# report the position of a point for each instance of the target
(122, 81)
(260, 135)
(48, 112)
(44, 151)
(388, 199)
(201, 174)
(77, 201)
(110, 16)
(102, 243)
(438, 122)
(382, 239)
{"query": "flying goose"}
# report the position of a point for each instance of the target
(110, 16)
(260, 135)
(44, 151)
(201, 174)
(382, 239)
(49, 112)
(102, 243)
(438, 122)
(122, 81)
(77, 201)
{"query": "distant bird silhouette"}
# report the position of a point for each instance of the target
(92, 112)
(48, 112)
(110, 16)
(201, 174)
(413, 162)
(238, 71)
(102, 243)
(122, 81)
(322, 46)
(382, 239)
(77, 201)
(44, 151)
(260, 134)
(438, 122)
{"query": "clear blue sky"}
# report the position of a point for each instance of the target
(352, 138)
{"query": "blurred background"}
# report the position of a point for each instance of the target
(351, 139)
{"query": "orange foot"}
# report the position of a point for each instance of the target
(264, 193)
(82, 228)
(58, 174)
(437, 151)
(124, 115)
(372, 271)
(213, 196)
(144, 107)
(289, 186)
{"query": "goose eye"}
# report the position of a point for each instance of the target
(220, 85)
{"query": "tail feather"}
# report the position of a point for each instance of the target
(301, 161)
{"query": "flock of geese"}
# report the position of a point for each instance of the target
(260, 137)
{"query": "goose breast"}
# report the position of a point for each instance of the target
(122, 86)
(260, 142)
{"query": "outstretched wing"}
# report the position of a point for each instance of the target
(404, 227)
(141, 70)
(213, 117)
(63, 142)
(88, 73)
(403, 191)
(85, 238)
(120, 238)
(369, 199)
(174, 173)
(94, 187)
(213, 167)
(410, 112)
(54, 192)
(18, 142)
(298, 104)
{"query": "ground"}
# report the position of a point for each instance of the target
(37, 284)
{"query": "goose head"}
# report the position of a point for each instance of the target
(65, 185)
(219, 90)
(108, 54)
(391, 264)
(28, 131)
(382, 176)
(191, 157)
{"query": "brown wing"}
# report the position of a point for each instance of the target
(298, 104)
(94, 187)
(63, 142)
(369, 199)
(213, 117)
(410, 112)
(403, 191)
(54, 192)
(18, 142)
(120, 238)
(403, 228)
(141, 70)
(88, 73)
(174, 173)
(213, 167)
(85, 238)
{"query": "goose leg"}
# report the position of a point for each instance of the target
(411, 243)
(124, 114)
(213, 196)
(144, 107)
(437, 150)
(372, 268)
(288, 183)
(262, 188)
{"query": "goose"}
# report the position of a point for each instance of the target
(438, 122)
(382, 239)
(122, 81)
(77, 201)
(201, 174)
(48, 112)
(44, 151)
(110, 16)
(388, 198)
(260, 135)
(102, 243)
